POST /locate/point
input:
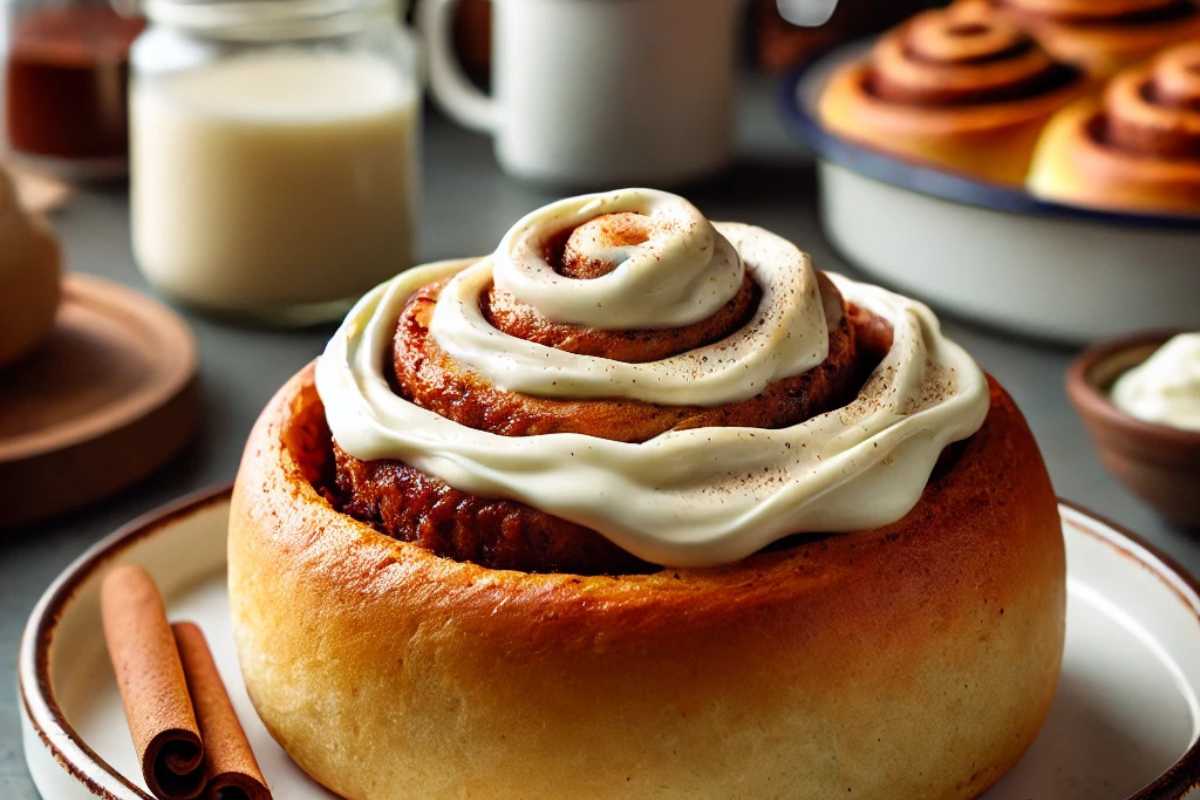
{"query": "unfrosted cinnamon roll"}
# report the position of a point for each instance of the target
(30, 276)
(633, 479)
(1103, 36)
(960, 88)
(1135, 149)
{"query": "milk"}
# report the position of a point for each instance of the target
(276, 180)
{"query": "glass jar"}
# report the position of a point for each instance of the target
(274, 153)
(66, 63)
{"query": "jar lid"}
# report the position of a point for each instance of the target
(263, 18)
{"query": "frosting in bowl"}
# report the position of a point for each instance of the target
(1165, 388)
(694, 497)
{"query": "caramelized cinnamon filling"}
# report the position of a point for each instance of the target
(407, 504)
(1053, 79)
(1016, 48)
(1154, 112)
(424, 374)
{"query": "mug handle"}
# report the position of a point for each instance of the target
(453, 91)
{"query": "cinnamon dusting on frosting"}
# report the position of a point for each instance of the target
(688, 497)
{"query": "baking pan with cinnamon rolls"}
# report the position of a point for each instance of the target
(1019, 162)
(645, 505)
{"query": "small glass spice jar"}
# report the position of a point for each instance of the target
(274, 153)
(66, 65)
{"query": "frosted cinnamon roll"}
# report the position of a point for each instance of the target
(1135, 149)
(960, 88)
(633, 478)
(1103, 36)
(488, 412)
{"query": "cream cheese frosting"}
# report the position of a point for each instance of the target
(786, 336)
(695, 497)
(1164, 388)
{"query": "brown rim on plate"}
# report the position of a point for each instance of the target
(1088, 389)
(74, 755)
(46, 717)
(1184, 775)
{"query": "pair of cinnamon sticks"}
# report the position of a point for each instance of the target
(184, 728)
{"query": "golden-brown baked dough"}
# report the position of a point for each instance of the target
(30, 275)
(1136, 149)
(959, 88)
(916, 660)
(1103, 36)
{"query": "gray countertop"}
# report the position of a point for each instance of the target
(468, 205)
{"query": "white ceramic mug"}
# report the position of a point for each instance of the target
(598, 92)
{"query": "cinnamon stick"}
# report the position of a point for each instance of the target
(231, 771)
(153, 688)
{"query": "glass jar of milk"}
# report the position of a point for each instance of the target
(274, 153)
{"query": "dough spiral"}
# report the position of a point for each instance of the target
(1135, 149)
(961, 88)
(1102, 36)
(689, 497)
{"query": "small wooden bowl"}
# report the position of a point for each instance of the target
(1159, 463)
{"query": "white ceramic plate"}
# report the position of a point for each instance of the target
(1123, 725)
(994, 253)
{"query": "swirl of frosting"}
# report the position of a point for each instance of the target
(700, 269)
(677, 271)
(687, 497)
(961, 55)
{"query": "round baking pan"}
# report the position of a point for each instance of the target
(993, 253)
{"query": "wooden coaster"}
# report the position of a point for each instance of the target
(103, 402)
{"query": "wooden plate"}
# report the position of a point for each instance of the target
(1123, 725)
(107, 399)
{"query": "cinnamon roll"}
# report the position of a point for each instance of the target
(30, 276)
(640, 505)
(959, 88)
(1103, 36)
(1135, 149)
